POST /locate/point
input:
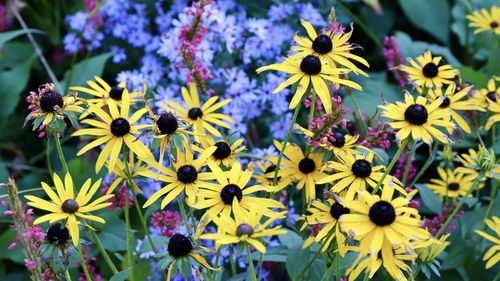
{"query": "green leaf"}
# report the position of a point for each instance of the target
(478, 79)
(121, 276)
(432, 16)
(85, 70)
(290, 239)
(297, 260)
(411, 48)
(9, 35)
(430, 199)
(15, 255)
(275, 254)
(12, 84)
(112, 235)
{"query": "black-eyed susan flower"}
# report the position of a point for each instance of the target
(103, 92)
(57, 235)
(186, 176)
(429, 72)
(327, 214)
(392, 259)
(451, 183)
(493, 254)
(307, 170)
(429, 250)
(489, 94)
(494, 108)
(485, 20)
(134, 166)
(66, 206)
(418, 118)
(354, 172)
(201, 117)
(268, 169)
(226, 151)
(454, 101)
(334, 47)
(181, 254)
(247, 227)
(375, 220)
(218, 197)
(47, 104)
(114, 130)
(310, 70)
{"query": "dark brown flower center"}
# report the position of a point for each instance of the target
(361, 168)
(339, 139)
(116, 93)
(244, 229)
(230, 191)
(56, 234)
(382, 213)
(167, 123)
(445, 103)
(322, 44)
(187, 174)
(195, 113)
(416, 114)
(453, 186)
(492, 96)
(307, 165)
(49, 100)
(337, 210)
(430, 70)
(120, 127)
(494, 24)
(310, 65)
(179, 246)
(223, 150)
(70, 206)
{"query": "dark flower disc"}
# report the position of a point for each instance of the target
(120, 127)
(382, 213)
(430, 70)
(230, 191)
(187, 174)
(223, 150)
(337, 210)
(179, 246)
(445, 103)
(416, 114)
(116, 92)
(453, 186)
(310, 65)
(243, 229)
(307, 165)
(195, 113)
(70, 206)
(322, 44)
(361, 168)
(49, 100)
(56, 234)
(167, 123)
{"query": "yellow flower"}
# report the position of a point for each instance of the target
(120, 170)
(114, 129)
(245, 227)
(268, 169)
(374, 220)
(485, 20)
(418, 119)
(428, 72)
(103, 93)
(307, 70)
(495, 109)
(327, 214)
(492, 255)
(201, 117)
(186, 176)
(65, 206)
(334, 47)
(451, 183)
(226, 152)
(453, 101)
(354, 172)
(472, 163)
(429, 251)
(307, 170)
(489, 94)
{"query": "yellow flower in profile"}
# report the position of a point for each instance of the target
(245, 227)
(428, 72)
(327, 214)
(392, 259)
(485, 20)
(452, 183)
(493, 254)
(186, 176)
(120, 170)
(65, 206)
(268, 169)
(471, 165)
(307, 170)
(114, 130)
(489, 94)
(354, 172)
(226, 151)
(418, 119)
(375, 220)
(103, 92)
(454, 100)
(310, 70)
(201, 117)
(429, 251)
(332, 46)
(495, 117)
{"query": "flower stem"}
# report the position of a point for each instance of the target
(364, 128)
(184, 216)
(250, 262)
(285, 142)
(128, 238)
(103, 252)
(83, 263)
(143, 223)
(408, 163)
(66, 275)
(329, 272)
(301, 275)
(393, 161)
(426, 165)
(47, 152)
(231, 261)
(460, 204)
(60, 153)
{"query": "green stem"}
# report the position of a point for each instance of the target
(47, 152)
(250, 262)
(259, 264)
(393, 161)
(66, 275)
(337, 265)
(128, 238)
(83, 263)
(216, 264)
(358, 112)
(408, 163)
(301, 275)
(329, 272)
(426, 165)
(143, 223)
(184, 216)
(459, 205)
(285, 142)
(103, 252)
(231, 261)
(60, 153)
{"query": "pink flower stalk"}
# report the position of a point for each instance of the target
(378, 137)
(91, 7)
(336, 28)
(399, 170)
(166, 222)
(120, 198)
(394, 58)
(91, 266)
(4, 20)
(49, 275)
(413, 203)
(435, 223)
